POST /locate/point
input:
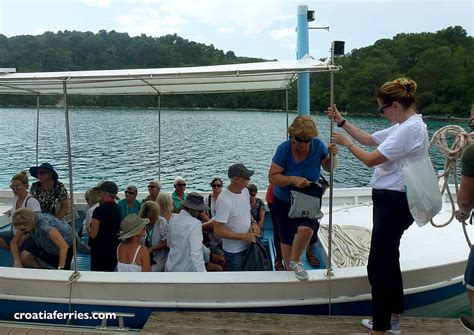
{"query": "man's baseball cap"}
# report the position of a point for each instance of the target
(239, 170)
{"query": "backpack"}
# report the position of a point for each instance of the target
(256, 258)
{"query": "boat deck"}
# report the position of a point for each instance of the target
(255, 323)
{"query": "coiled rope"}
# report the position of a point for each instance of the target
(453, 154)
(349, 250)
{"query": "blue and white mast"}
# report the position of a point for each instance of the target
(302, 50)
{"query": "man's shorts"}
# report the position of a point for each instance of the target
(469, 273)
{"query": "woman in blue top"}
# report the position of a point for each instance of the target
(129, 205)
(297, 162)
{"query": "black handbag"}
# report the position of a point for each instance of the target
(306, 202)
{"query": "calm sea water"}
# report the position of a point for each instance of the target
(122, 145)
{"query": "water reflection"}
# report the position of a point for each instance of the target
(122, 145)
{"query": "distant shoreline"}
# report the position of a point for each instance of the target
(428, 117)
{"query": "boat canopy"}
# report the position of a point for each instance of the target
(245, 77)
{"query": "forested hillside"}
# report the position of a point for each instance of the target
(442, 63)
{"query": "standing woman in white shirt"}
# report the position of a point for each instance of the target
(22, 198)
(407, 139)
(185, 237)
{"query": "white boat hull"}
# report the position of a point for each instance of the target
(432, 261)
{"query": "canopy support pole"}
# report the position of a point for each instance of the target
(159, 136)
(69, 162)
(37, 128)
(75, 275)
(286, 110)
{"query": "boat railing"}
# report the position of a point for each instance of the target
(342, 196)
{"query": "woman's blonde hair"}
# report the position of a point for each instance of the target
(401, 90)
(23, 218)
(166, 202)
(22, 177)
(92, 197)
(303, 127)
(150, 210)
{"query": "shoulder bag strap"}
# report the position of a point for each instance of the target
(209, 202)
(26, 201)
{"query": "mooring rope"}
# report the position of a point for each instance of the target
(453, 154)
(74, 277)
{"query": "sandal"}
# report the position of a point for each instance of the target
(312, 259)
(279, 266)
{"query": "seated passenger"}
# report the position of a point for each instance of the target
(185, 237)
(179, 194)
(22, 198)
(276, 236)
(215, 242)
(132, 256)
(166, 205)
(50, 246)
(154, 188)
(257, 207)
(156, 234)
(129, 205)
(105, 226)
(50, 192)
(92, 198)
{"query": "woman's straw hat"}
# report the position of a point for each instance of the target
(132, 225)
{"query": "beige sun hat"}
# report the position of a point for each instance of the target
(131, 225)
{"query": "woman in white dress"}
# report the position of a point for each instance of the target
(22, 198)
(132, 256)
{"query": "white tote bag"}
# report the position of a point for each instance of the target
(423, 194)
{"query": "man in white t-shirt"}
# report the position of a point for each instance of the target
(233, 220)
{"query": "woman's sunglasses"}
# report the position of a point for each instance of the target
(299, 140)
(381, 109)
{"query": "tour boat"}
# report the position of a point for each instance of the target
(432, 259)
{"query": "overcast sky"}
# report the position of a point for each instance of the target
(256, 28)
